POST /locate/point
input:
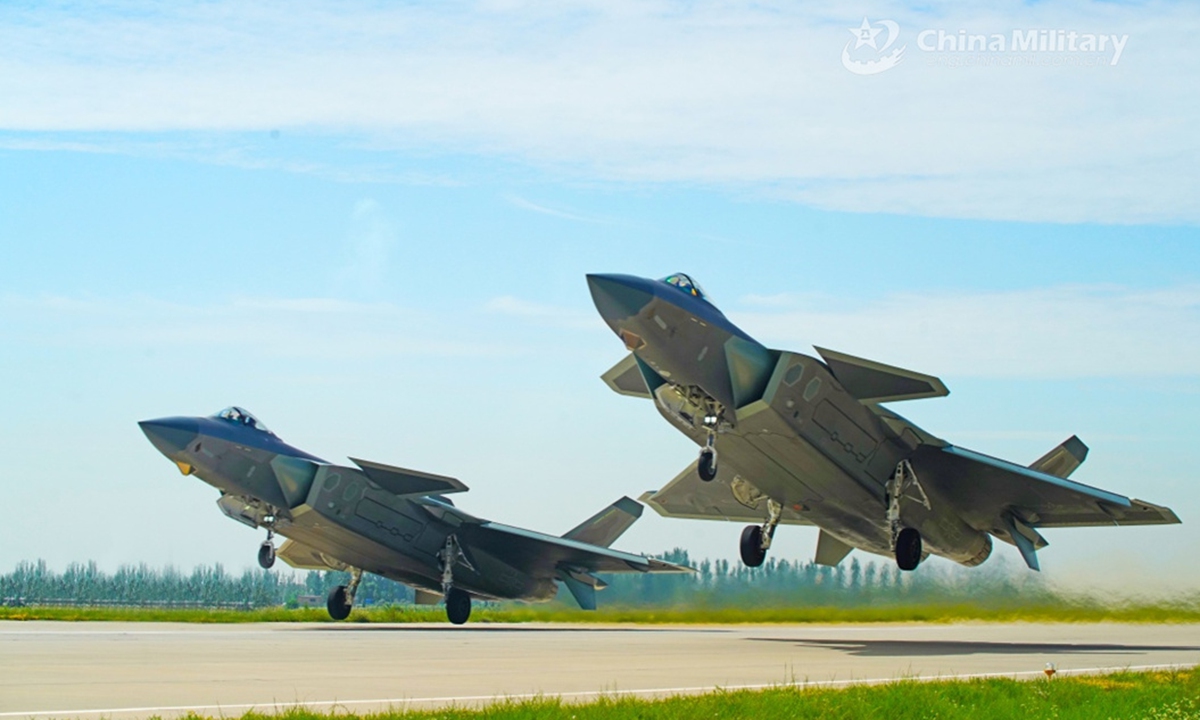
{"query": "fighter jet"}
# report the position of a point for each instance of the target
(390, 521)
(789, 438)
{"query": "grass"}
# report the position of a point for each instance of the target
(515, 613)
(1149, 695)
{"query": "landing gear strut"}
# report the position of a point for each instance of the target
(266, 551)
(458, 602)
(707, 466)
(906, 541)
(341, 598)
(756, 540)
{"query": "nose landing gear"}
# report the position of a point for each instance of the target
(266, 554)
(707, 465)
(266, 551)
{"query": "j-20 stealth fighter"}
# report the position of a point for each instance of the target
(389, 521)
(789, 438)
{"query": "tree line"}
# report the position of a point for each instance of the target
(715, 583)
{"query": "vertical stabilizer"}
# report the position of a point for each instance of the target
(606, 526)
(1062, 460)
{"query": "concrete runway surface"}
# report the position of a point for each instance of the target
(129, 670)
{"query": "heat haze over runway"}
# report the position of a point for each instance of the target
(132, 670)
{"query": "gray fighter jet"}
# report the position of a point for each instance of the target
(808, 441)
(389, 521)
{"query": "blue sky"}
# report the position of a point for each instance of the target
(371, 226)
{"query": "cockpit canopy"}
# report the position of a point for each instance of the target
(687, 284)
(241, 416)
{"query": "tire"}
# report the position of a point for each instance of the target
(458, 606)
(751, 546)
(337, 606)
(908, 549)
(707, 467)
(266, 556)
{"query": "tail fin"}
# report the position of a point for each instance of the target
(1062, 460)
(606, 526)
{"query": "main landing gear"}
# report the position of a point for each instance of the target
(907, 547)
(458, 606)
(756, 540)
(266, 551)
(341, 598)
(458, 602)
(906, 541)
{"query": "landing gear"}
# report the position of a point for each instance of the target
(266, 555)
(707, 465)
(753, 553)
(341, 598)
(458, 602)
(756, 540)
(337, 604)
(458, 606)
(908, 549)
(266, 551)
(906, 541)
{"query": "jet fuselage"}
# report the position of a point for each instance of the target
(336, 513)
(783, 420)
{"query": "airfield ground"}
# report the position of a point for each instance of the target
(1054, 610)
(127, 670)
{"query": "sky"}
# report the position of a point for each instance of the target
(370, 225)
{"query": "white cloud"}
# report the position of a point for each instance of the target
(543, 313)
(747, 95)
(223, 150)
(370, 243)
(518, 201)
(250, 327)
(1062, 332)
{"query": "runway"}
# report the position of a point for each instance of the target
(134, 670)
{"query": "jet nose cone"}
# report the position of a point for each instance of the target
(170, 435)
(619, 297)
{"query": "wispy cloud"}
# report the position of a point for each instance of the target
(1062, 332)
(751, 96)
(249, 327)
(524, 204)
(226, 150)
(542, 313)
(370, 244)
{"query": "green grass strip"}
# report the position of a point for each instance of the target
(1149, 695)
(515, 613)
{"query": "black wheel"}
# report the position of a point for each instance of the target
(266, 556)
(338, 608)
(458, 606)
(708, 465)
(751, 546)
(908, 549)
